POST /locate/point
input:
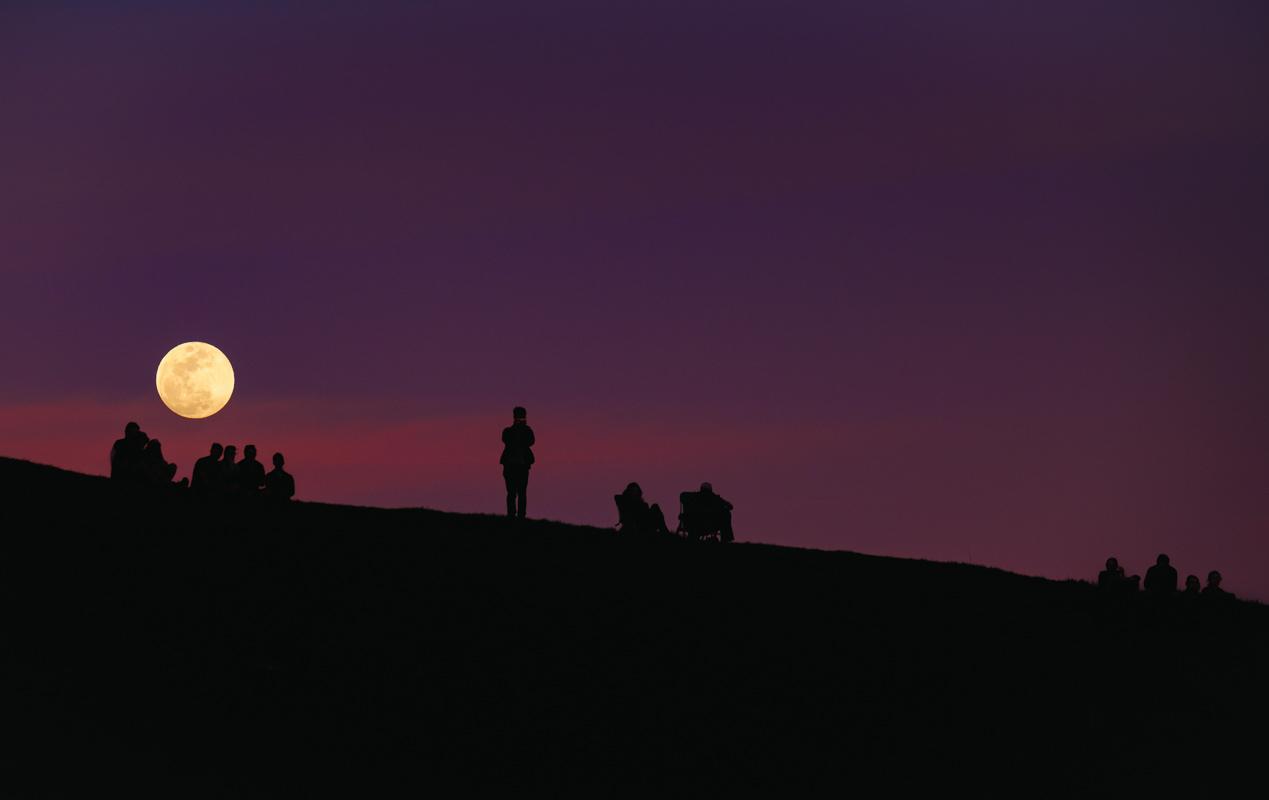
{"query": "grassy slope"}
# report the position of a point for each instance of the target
(157, 644)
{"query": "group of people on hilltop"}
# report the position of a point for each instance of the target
(1161, 581)
(220, 475)
(137, 459)
(705, 513)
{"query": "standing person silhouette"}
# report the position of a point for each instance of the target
(517, 457)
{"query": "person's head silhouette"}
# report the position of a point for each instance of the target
(707, 488)
(249, 453)
(1214, 579)
(633, 490)
(518, 414)
(216, 450)
(278, 460)
(1112, 564)
(131, 429)
(231, 452)
(1191, 583)
(1162, 560)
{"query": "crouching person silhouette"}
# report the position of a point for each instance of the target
(517, 457)
(155, 468)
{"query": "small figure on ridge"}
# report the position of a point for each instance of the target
(250, 472)
(206, 478)
(1161, 578)
(636, 516)
(517, 457)
(1213, 590)
(279, 486)
(125, 454)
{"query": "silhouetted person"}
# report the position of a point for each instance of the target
(279, 486)
(1213, 590)
(155, 469)
(719, 506)
(1113, 578)
(636, 516)
(206, 477)
(250, 472)
(517, 457)
(1161, 578)
(1192, 586)
(126, 454)
(1109, 578)
(229, 471)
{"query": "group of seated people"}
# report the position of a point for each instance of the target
(138, 460)
(703, 514)
(219, 475)
(1161, 580)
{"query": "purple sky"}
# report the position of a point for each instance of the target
(960, 280)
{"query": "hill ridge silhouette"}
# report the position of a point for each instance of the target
(156, 642)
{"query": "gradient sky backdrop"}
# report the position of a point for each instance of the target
(959, 280)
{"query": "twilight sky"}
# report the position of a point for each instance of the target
(961, 280)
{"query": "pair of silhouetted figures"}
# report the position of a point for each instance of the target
(137, 459)
(702, 514)
(1161, 581)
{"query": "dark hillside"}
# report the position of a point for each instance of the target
(171, 649)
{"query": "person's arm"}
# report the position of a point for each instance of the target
(531, 441)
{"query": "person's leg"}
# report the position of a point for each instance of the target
(523, 491)
(508, 477)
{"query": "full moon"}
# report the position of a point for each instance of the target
(195, 380)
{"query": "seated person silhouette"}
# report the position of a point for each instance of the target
(1161, 578)
(126, 454)
(636, 516)
(1213, 590)
(704, 515)
(155, 469)
(250, 472)
(1113, 579)
(229, 471)
(206, 476)
(279, 486)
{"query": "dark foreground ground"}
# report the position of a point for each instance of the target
(153, 647)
